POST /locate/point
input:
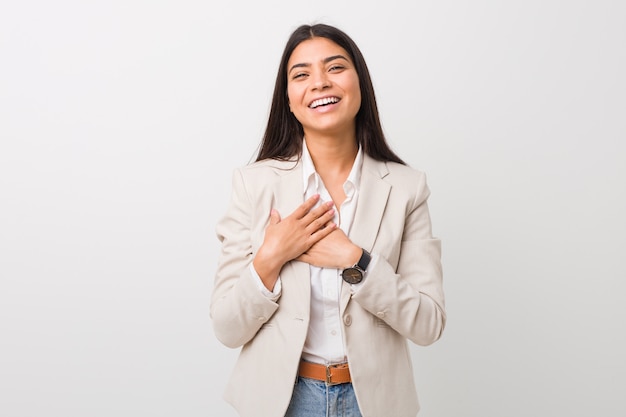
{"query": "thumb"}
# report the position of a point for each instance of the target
(274, 217)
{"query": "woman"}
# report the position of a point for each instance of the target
(328, 264)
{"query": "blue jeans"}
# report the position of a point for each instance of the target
(313, 398)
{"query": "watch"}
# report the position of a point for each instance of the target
(354, 274)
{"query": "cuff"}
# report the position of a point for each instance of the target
(272, 295)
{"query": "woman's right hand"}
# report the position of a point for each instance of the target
(286, 239)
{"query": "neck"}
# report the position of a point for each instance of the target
(332, 155)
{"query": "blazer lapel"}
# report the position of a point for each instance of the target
(373, 196)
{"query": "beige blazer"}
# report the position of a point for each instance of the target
(401, 298)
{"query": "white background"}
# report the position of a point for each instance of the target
(121, 122)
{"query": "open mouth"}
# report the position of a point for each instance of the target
(324, 102)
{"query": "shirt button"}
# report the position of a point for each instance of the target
(380, 314)
(347, 320)
(333, 332)
(261, 318)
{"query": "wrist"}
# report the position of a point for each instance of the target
(355, 274)
(354, 255)
(267, 268)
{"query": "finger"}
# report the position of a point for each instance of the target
(322, 221)
(321, 233)
(306, 258)
(305, 207)
(274, 216)
(320, 211)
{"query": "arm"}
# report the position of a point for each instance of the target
(410, 297)
(238, 307)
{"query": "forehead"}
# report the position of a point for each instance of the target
(315, 50)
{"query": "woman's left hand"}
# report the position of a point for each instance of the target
(333, 251)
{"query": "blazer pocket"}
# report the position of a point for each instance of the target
(381, 323)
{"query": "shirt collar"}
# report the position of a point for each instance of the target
(308, 170)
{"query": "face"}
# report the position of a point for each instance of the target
(323, 88)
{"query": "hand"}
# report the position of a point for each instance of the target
(286, 239)
(335, 250)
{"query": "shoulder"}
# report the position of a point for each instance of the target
(269, 166)
(404, 172)
(258, 176)
(261, 170)
(396, 174)
(407, 183)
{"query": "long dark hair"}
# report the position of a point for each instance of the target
(283, 135)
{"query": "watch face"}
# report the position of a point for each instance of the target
(352, 275)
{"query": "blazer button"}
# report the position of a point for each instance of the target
(347, 320)
(261, 318)
(380, 314)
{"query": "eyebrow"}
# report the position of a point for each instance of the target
(325, 61)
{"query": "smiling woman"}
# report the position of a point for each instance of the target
(328, 295)
(323, 90)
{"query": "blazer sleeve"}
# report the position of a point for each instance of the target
(238, 307)
(409, 298)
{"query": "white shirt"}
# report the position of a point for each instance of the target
(324, 342)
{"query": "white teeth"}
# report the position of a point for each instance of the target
(323, 102)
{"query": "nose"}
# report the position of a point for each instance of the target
(320, 81)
